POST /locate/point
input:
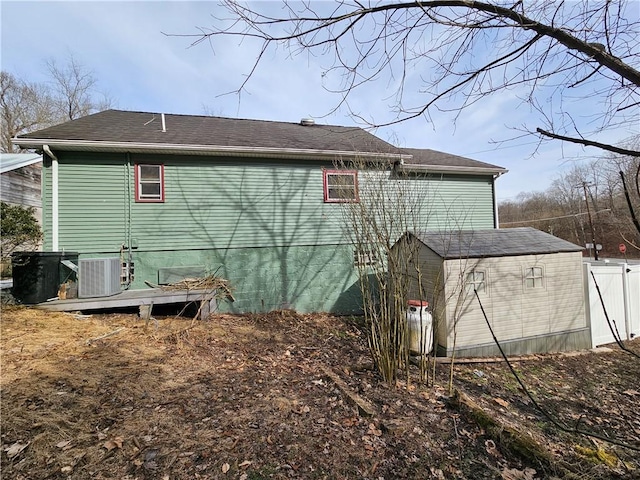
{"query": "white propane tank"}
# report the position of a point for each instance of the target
(420, 326)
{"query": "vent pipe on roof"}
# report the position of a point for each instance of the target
(164, 125)
(307, 122)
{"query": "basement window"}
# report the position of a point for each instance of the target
(534, 277)
(476, 281)
(149, 183)
(340, 186)
(365, 258)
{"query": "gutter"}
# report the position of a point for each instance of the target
(495, 171)
(209, 150)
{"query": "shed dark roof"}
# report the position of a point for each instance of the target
(146, 128)
(494, 243)
(427, 157)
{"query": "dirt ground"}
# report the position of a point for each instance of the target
(256, 397)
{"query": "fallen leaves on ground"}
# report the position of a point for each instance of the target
(248, 397)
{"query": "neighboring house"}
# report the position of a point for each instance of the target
(529, 284)
(20, 178)
(257, 202)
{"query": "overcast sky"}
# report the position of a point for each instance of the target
(142, 69)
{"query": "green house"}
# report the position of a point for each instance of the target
(259, 203)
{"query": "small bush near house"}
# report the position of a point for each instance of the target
(19, 230)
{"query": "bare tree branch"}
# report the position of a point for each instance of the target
(25, 107)
(457, 52)
(590, 143)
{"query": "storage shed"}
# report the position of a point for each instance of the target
(528, 282)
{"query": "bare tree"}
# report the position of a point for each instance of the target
(25, 107)
(380, 218)
(74, 89)
(557, 55)
(562, 208)
(69, 94)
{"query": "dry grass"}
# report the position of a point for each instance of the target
(246, 397)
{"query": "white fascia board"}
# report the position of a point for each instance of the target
(211, 150)
(497, 171)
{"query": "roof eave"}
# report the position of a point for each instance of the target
(512, 254)
(209, 150)
(32, 159)
(453, 169)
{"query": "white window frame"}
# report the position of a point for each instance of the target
(534, 277)
(473, 282)
(149, 198)
(328, 186)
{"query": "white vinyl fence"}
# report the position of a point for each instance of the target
(619, 285)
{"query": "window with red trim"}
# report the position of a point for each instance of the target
(149, 183)
(340, 186)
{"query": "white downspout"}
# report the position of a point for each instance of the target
(54, 198)
(496, 220)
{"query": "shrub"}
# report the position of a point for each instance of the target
(19, 230)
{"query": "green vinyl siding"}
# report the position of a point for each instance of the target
(309, 278)
(431, 201)
(263, 224)
(460, 201)
(92, 203)
(224, 204)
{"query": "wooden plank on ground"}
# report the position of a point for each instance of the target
(364, 407)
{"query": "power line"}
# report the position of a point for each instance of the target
(554, 218)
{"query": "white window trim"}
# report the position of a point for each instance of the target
(140, 198)
(529, 274)
(471, 285)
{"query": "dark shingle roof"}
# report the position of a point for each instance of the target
(427, 157)
(494, 243)
(119, 130)
(146, 128)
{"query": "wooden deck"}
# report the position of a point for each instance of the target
(144, 298)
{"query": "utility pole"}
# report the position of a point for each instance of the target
(593, 232)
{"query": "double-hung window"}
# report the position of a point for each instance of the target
(149, 183)
(340, 186)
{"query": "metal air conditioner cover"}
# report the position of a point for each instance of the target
(98, 277)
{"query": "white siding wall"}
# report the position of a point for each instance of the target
(514, 310)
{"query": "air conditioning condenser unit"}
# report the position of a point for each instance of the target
(98, 277)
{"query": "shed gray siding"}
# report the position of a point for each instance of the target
(524, 319)
(515, 312)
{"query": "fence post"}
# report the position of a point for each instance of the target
(625, 294)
